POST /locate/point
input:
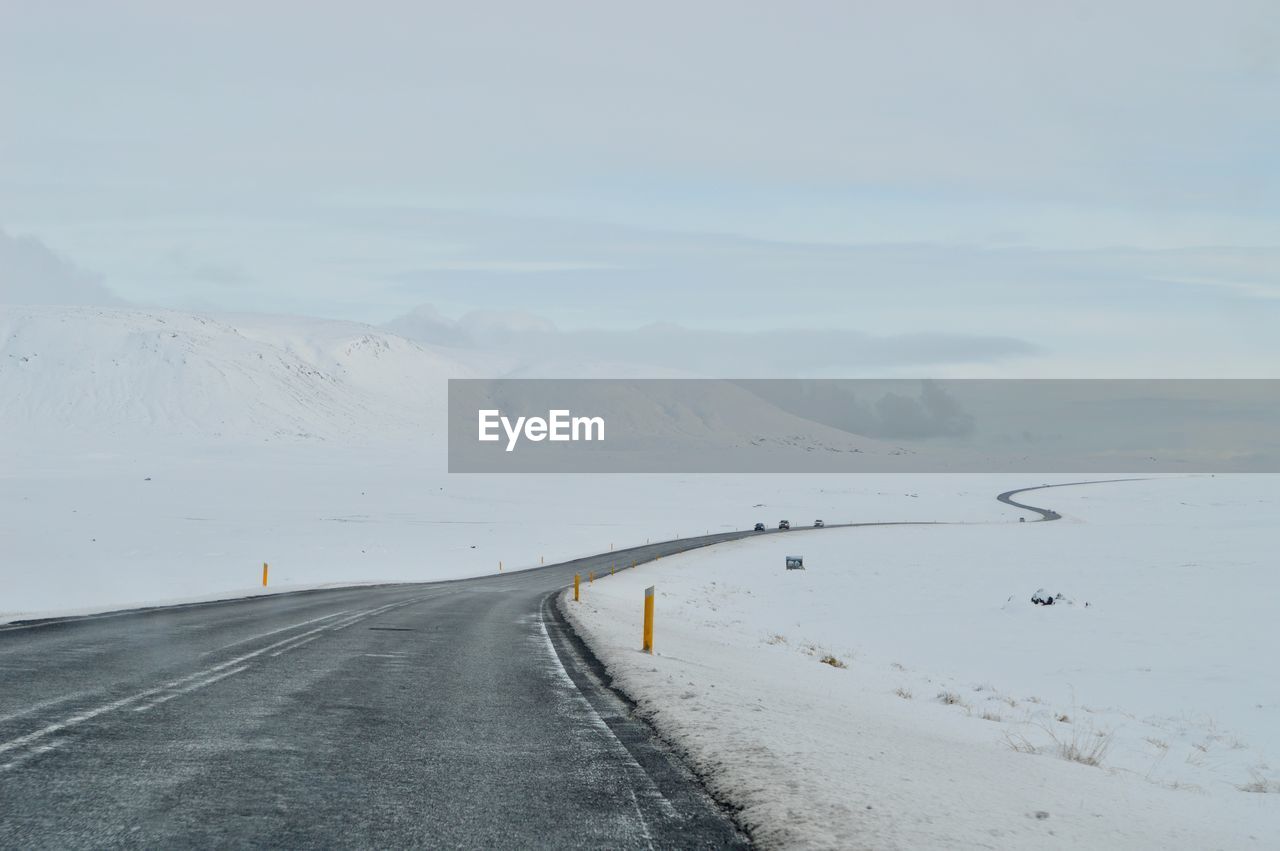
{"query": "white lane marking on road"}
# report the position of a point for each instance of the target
(75, 720)
(44, 704)
(274, 632)
(343, 624)
(373, 613)
(639, 777)
(90, 714)
(295, 645)
(551, 648)
(32, 754)
(206, 652)
(644, 826)
(190, 688)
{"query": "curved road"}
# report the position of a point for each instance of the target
(1049, 513)
(460, 714)
(452, 714)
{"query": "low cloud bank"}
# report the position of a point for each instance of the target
(33, 273)
(666, 346)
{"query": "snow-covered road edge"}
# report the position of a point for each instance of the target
(868, 769)
(615, 677)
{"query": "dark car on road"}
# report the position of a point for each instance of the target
(785, 524)
(759, 527)
(818, 524)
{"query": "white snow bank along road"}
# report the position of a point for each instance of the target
(150, 456)
(92, 531)
(954, 713)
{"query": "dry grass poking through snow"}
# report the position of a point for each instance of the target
(1260, 785)
(1085, 745)
(1019, 743)
(1089, 748)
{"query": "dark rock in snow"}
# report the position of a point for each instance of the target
(1043, 598)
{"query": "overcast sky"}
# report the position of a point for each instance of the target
(1078, 183)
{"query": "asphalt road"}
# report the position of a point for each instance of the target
(1048, 513)
(451, 714)
(458, 714)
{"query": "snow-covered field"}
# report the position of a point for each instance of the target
(154, 456)
(151, 456)
(97, 530)
(954, 713)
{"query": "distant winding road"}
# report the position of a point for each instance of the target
(459, 714)
(1048, 513)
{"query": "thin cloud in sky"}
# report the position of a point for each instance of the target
(1133, 105)
(669, 347)
(1251, 289)
(995, 170)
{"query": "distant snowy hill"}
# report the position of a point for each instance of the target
(106, 377)
(149, 373)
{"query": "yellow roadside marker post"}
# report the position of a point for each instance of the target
(499, 566)
(591, 577)
(648, 620)
(575, 587)
(264, 574)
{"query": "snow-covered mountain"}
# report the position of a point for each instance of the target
(153, 373)
(109, 377)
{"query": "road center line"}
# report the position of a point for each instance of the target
(196, 685)
(34, 752)
(90, 714)
(275, 631)
(372, 613)
(343, 624)
(36, 707)
(295, 645)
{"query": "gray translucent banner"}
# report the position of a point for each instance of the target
(864, 426)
